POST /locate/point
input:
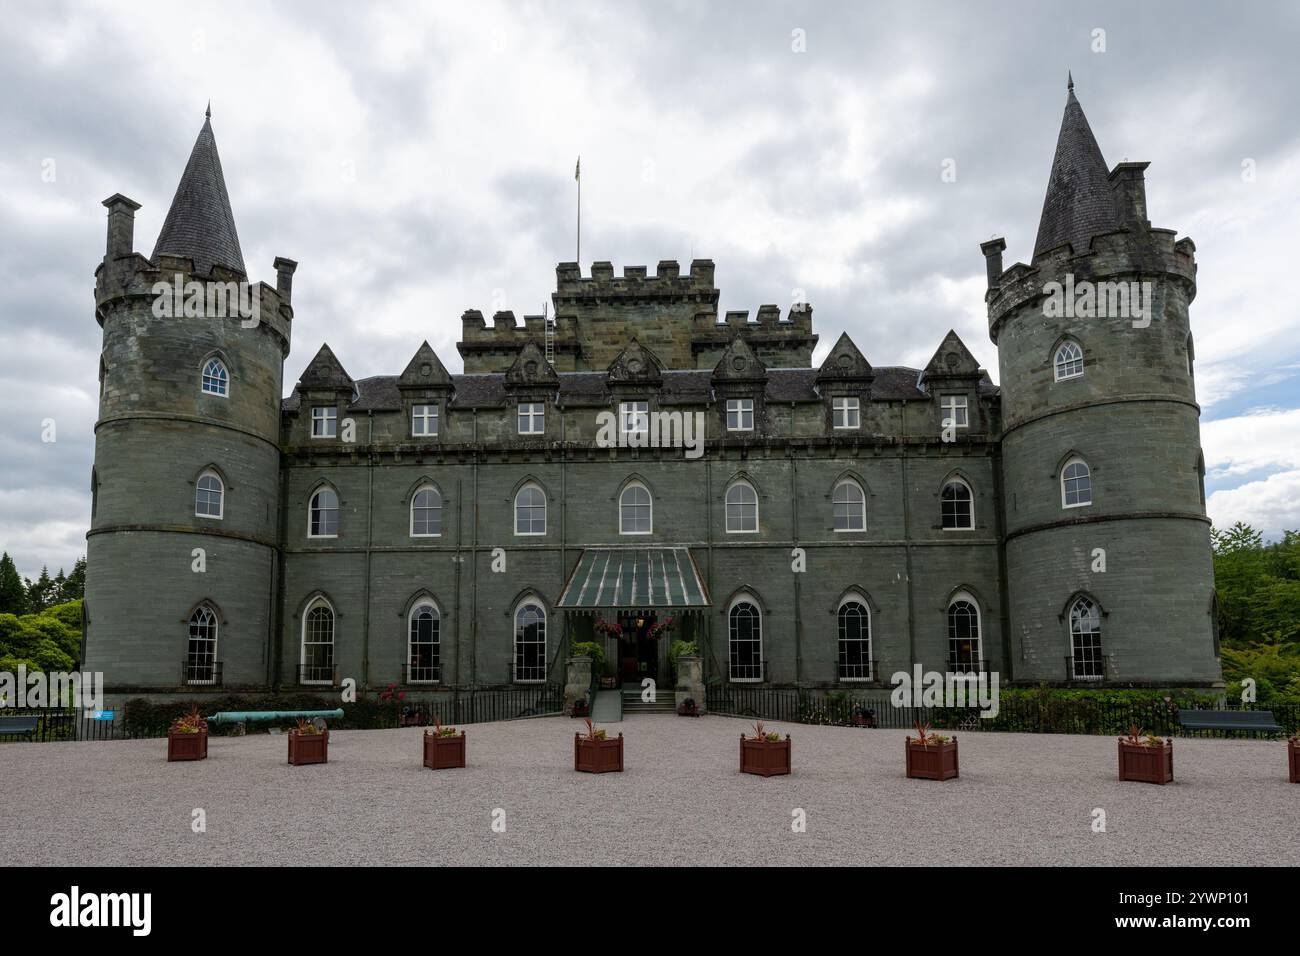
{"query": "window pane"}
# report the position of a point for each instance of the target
(745, 642)
(855, 642)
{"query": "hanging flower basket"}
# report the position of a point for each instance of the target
(659, 628)
(608, 628)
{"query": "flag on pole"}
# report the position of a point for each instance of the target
(577, 170)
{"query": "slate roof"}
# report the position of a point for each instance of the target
(199, 224)
(1079, 203)
(680, 387)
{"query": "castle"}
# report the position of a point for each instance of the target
(840, 522)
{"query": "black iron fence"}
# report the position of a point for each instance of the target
(46, 724)
(144, 719)
(1020, 713)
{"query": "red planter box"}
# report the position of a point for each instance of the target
(187, 746)
(692, 710)
(597, 756)
(309, 748)
(1146, 764)
(767, 758)
(1293, 759)
(931, 761)
(443, 753)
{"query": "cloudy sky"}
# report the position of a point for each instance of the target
(417, 160)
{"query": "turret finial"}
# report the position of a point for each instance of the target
(208, 112)
(1069, 84)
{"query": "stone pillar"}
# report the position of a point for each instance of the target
(690, 681)
(577, 681)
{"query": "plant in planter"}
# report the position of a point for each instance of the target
(688, 708)
(596, 752)
(1293, 757)
(308, 744)
(443, 747)
(581, 708)
(1145, 758)
(764, 753)
(187, 737)
(930, 756)
(863, 716)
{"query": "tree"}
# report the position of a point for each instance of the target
(74, 589)
(57, 591)
(40, 595)
(13, 595)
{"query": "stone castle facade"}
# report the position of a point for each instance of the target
(838, 523)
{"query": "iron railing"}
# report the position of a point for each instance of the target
(202, 673)
(421, 673)
(1015, 714)
(318, 674)
(1073, 666)
(46, 724)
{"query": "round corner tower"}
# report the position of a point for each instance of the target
(1108, 559)
(181, 553)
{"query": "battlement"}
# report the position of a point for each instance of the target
(667, 282)
(1123, 254)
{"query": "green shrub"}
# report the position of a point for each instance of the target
(680, 648)
(592, 649)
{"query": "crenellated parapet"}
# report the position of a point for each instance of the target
(1127, 254)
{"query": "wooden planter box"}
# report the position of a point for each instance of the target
(581, 709)
(187, 746)
(1293, 760)
(767, 758)
(1146, 764)
(598, 756)
(443, 753)
(688, 710)
(931, 761)
(309, 748)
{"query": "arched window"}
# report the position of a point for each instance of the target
(964, 635)
(317, 663)
(201, 652)
(742, 508)
(1068, 361)
(855, 639)
(1085, 640)
(849, 506)
(216, 380)
(635, 510)
(94, 491)
(324, 517)
(530, 643)
(745, 640)
(1076, 484)
(530, 510)
(209, 496)
(426, 513)
(956, 506)
(423, 663)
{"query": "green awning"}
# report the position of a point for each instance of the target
(635, 578)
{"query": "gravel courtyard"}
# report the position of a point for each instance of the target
(1021, 799)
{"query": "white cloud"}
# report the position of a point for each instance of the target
(1271, 505)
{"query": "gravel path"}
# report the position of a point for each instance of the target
(1021, 799)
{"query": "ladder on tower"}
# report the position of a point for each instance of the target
(549, 325)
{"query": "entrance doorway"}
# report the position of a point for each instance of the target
(638, 653)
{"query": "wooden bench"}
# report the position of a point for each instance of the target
(25, 726)
(1253, 721)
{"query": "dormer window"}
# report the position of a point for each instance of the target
(846, 412)
(424, 421)
(953, 411)
(740, 414)
(324, 422)
(532, 418)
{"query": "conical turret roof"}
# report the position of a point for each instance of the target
(1079, 203)
(199, 225)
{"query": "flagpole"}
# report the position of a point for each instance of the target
(577, 174)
